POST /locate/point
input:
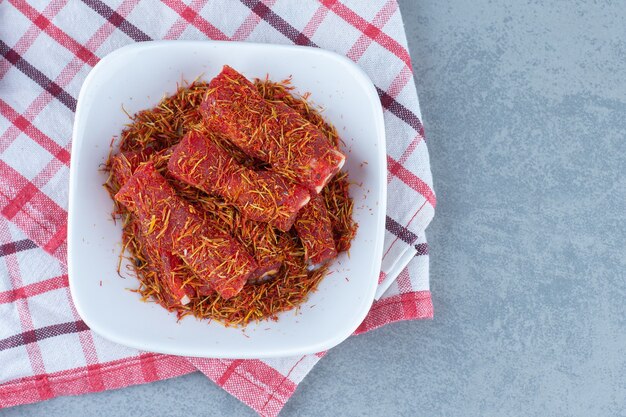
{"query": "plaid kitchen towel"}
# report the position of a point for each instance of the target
(47, 48)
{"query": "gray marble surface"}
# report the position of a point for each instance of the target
(524, 104)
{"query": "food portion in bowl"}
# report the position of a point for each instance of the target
(231, 198)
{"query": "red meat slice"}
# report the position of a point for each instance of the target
(260, 196)
(316, 232)
(169, 268)
(124, 164)
(272, 132)
(176, 228)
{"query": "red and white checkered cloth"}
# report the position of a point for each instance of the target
(47, 48)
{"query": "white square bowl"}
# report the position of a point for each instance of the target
(137, 77)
